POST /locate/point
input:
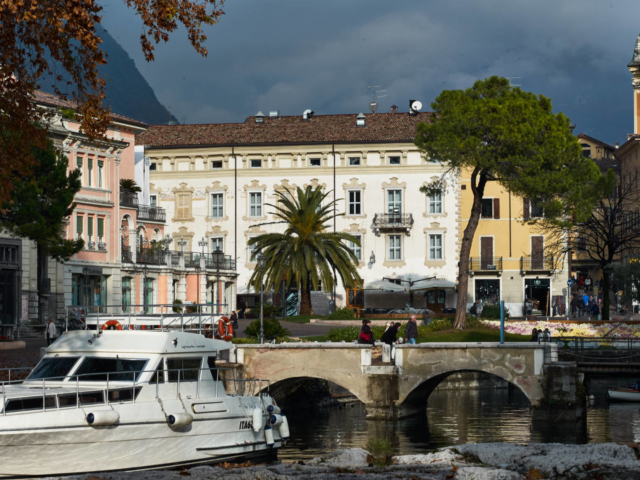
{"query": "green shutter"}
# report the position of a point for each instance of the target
(101, 227)
(90, 226)
(79, 222)
(90, 163)
(101, 163)
(79, 162)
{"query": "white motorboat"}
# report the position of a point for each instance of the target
(624, 394)
(112, 400)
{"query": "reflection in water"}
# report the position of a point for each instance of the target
(455, 417)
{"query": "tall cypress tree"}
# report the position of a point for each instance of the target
(41, 202)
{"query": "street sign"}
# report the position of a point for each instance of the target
(571, 282)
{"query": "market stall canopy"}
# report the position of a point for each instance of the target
(431, 283)
(384, 286)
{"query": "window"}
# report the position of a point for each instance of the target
(90, 227)
(536, 210)
(357, 250)
(314, 162)
(216, 164)
(147, 296)
(153, 166)
(100, 173)
(158, 374)
(394, 160)
(216, 205)
(79, 163)
(488, 291)
(582, 244)
(53, 368)
(487, 208)
(394, 201)
(394, 247)
(355, 202)
(187, 369)
(183, 200)
(89, 171)
(101, 233)
(126, 294)
(433, 160)
(95, 369)
(217, 244)
(354, 161)
(79, 225)
(153, 200)
(256, 163)
(255, 204)
(435, 247)
(435, 203)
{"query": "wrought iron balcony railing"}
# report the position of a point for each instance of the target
(485, 264)
(537, 264)
(151, 212)
(393, 221)
(126, 255)
(128, 199)
(222, 262)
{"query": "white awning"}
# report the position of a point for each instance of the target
(384, 286)
(432, 283)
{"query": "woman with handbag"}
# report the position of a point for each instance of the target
(366, 335)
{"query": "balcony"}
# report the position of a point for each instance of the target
(537, 265)
(192, 260)
(485, 265)
(392, 222)
(151, 213)
(126, 255)
(128, 199)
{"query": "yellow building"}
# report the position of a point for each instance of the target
(508, 259)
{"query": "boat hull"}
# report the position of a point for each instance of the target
(624, 395)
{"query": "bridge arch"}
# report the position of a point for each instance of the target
(417, 398)
(285, 387)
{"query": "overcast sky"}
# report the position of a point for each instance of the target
(297, 54)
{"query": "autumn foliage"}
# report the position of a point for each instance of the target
(50, 37)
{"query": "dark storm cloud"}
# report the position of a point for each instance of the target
(293, 54)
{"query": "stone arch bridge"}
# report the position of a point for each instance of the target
(400, 386)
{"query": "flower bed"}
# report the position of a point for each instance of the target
(569, 330)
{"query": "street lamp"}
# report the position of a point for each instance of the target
(182, 243)
(372, 258)
(262, 263)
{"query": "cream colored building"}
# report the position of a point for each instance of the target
(216, 181)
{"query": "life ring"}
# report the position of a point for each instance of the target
(225, 329)
(112, 325)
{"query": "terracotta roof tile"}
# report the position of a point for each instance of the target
(51, 100)
(379, 127)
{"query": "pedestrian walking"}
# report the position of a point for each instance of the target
(243, 307)
(366, 334)
(234, 323)
(411, 331)
(595, 311)
(50, 332)
(391, 334)
(473, 309)
(585, 304)
(534, 335)
(574, 305)
(547, 335)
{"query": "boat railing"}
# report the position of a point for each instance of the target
(110, 392)
(197, 318)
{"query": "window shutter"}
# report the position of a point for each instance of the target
(90, 163)
(496, 208)
(90, 226)
(79, 162)
(101, 227)
(525, 208)
(101, 163)
(79, 222)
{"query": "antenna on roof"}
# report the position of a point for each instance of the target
(373, 106)
(514, 84)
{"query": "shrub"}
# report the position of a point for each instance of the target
(381, 451)
(492, 312)
(268, 311)
(272, 328)
(348, 334)
(68, 113)
(191, 309)
(439, 324)
(177, 309)
(342, 314)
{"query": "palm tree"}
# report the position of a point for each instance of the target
(128, 185)
(305, 253)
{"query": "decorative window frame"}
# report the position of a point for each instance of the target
(254, 187)
(217, 158)
(216, 187)
(394, 185)
(188, 236)
(321, 156)
(183, 189)
(282, 188)
(216, 232)
(252, 232)
(355, 230)
(435, 229)
(386, 155)
(354, 185)
(394, 263)
(426, 213)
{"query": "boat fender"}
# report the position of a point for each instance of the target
(179, 419)
(256, 417)
(273, 409)
(103, 418)
(275, 420)
(284, 428)
(268, 436)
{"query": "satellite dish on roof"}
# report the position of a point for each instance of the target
(373, 106)
(415, 105)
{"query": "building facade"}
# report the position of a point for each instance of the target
(216, 183)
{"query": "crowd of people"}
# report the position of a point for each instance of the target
(585, 306)
(390, 335)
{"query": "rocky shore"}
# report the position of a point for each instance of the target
(489, 461)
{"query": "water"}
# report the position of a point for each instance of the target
(455, 417)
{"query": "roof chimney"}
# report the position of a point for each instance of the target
(394, 109)
(617, 145)
(307, 114)
(259, 117)
(360, 120)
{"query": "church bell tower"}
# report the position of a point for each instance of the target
(634, 68)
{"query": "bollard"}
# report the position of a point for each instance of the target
(386, 353)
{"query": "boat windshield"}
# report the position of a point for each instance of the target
(53, 368)
(102, 366)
